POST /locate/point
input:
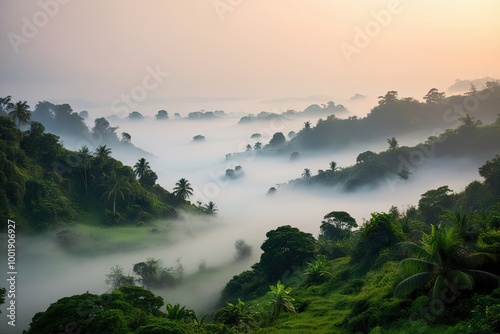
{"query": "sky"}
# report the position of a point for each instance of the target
(240, 55)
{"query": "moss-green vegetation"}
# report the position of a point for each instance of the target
(45, 185)
(300, 286)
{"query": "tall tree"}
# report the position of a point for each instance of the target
(141, 167)
(19, 111)
(441, 262)
(393, 143)
(85, 162)
(117, 187)
(434, 96)
(183, 189)
(307, 125)
(126, 137)
(210, 208)
(307, 173)
(102, 154)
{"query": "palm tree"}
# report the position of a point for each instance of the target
(280, 300)
(183, 189)
(307, 125)
(118, 187)
(440, 262)
(141, 167)
(4, 103)
(393, 143)
(85, 161)
(126, 137)
(307, 173)
(20, 111)
(103, 153)
(211, 208)
(333, 166)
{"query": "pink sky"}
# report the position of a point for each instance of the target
(256, 50)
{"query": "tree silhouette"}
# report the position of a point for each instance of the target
(182, 189)
(333, 166)
(19, 111)
(307, 173)
(85, 162)
(126, 137)
(469, 122)
(393, 143)
(307, 125)
(434, 96)
(440, 262)
(141, 167)
(257, 146)
(210, 208)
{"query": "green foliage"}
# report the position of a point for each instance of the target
(337, 225)
(44, 184)
(285, 248)
(183, 189)
(117, 278)
(443, 264)
(318, 270)
(280, 300)
(151, 274)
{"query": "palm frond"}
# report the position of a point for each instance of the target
(412, 266)
(412, 283)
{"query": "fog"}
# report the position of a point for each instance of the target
(47, 273)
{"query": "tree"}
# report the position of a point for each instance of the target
(491, 172)
(434, 96)
(4, 104)
(243, 250)
(366, 156)
(152, 275)
(126, 137)
(441, 262)
(117, 278)
(257, 146)
(277, 140)
(307, 173)
(210, 208)
(183, 189)
(118, 187)
(248, 147)
(162, 114)
(284, 248)
(333, 166)
(135, 115)
(20, 111)
(390, 97)
(85, 163)
(307, 126)
(103, 154)
(280, 299)
(393, 143)
(141, 167)
(337, 225)
(469, 122)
